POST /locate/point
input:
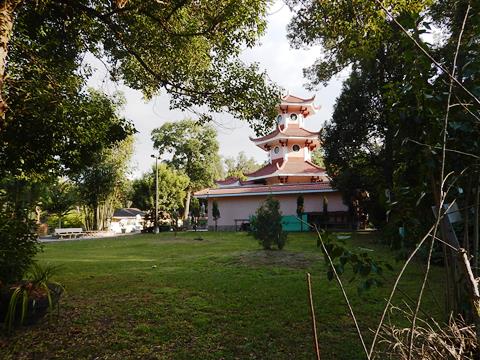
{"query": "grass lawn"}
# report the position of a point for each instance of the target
(167, 297)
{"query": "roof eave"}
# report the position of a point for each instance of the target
(284, 192)
(285, 174)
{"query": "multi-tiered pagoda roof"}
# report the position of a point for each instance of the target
(289, 147)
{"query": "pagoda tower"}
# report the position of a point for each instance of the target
(289, 174)
(290, 146)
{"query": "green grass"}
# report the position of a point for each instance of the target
(167, 297)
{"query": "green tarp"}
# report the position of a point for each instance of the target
(292, 223)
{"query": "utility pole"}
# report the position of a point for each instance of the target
(156, 192)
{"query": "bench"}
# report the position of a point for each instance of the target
(244, 223)
(68, 232)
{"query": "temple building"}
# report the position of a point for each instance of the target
(289, 173)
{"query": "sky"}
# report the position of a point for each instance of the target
(283, 65)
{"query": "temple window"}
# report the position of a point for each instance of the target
(296, 148)
(293, 117)
(276, 150)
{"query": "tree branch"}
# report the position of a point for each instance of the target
(432, 59)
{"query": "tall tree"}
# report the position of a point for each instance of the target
(194, 150)
(374, 114)
(188, 48)
(348, 31)
(54, 122)
(171, 184)
(407, 116)
(60, 198)
(100, 185)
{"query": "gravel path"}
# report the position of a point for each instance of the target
(100, 235)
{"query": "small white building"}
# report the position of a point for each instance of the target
(127, 220)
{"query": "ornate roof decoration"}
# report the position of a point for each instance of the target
(295, 103)
(281, 168)
(289, 132)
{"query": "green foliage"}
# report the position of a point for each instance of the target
(60, 198)
(54, 124)
(171, 184)
(18, 243)
(266, 225)
(318, 157)
(101, 185)
(348, 31)
(370, 271)
(382, 143)
(215, 211)
(188, 49)
(73, 219)
(239, 166)
(194, 149)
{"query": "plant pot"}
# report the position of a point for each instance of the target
(37, 308)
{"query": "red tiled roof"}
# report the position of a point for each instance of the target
(297, 167)
(267, 169)
(296, 99)
(228, 181)
(255, 190)
(301, 167)
(292, 130)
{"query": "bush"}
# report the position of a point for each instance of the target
(266, 225)
(71, 220)
(18, 243)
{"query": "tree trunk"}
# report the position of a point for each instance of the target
(187, 205)
(451, 299)
(7, 10)
(466, 205)
(95, 217)
(476, 229)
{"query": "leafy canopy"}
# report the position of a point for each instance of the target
(239, 166)
(54, 123)
(193, 148)
(347, 30)
(187, 48)
(171, 185)
(100, 185)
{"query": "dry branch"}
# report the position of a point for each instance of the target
(312, 314)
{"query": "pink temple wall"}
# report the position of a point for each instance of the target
(243, 207)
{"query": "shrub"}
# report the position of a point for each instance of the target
(215, 213)
(72, 220)
(18, 243)
(266, 225)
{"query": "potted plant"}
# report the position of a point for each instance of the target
(28, 300)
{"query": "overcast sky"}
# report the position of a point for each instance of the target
(284, 66)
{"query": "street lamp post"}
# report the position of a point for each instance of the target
(156, 192)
